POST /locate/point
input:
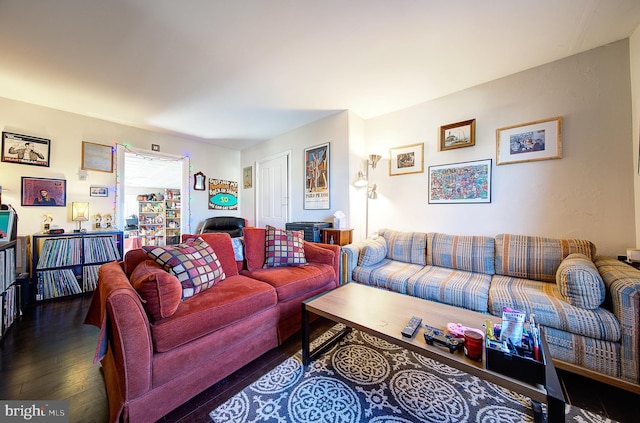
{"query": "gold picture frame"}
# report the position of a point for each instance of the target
(529, 142)
(458, 135)
(407, 159)
(97, 157)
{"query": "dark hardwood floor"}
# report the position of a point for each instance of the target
(48, 355)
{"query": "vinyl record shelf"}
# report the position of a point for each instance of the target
(67, 264)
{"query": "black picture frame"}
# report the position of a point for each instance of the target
(98, 191)
(16, 146)
(32, 188)
(198, 181)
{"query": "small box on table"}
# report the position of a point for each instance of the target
(518, 366)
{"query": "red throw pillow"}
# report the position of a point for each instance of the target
(161, 291)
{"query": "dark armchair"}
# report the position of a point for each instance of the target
(231, 225)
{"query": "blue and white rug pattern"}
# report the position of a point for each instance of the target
(366, 379)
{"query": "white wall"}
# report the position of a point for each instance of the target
(66, 132)
(634, 54)
(333, 129)
(589, 193)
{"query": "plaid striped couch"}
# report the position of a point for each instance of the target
(588, 304)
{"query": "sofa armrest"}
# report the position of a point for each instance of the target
(351, 255)
(324, 254)
(623, 300)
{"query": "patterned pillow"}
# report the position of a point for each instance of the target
(160, 290)
(193, 262)
(284, 248)
(373, 252)
(580, 282)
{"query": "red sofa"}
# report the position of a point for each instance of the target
(153, 365)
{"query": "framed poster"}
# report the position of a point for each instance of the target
(528, 142)
(44, 192)
(25, 149)
(458, 135)
(96, 191)
(468, 182)
(247, 177)
(97, 157)
(317, 186)
(407, 159)
(223, 195)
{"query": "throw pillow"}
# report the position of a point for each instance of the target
(193, 262)
(284, 248)
(160, 290)
(373, 252)
(579, 282)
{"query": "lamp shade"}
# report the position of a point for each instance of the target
(373, 193)
(79, 212)
(361, 180)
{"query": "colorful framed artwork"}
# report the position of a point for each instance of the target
(529, 142)
(247, 177)
(223, 195)
(458, 135)
(468, 182)
(25, 149)
(407, 159)
(317, 186)
(97, 157)
(44, 192)
(96, 191)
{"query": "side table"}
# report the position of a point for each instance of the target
(336, 236)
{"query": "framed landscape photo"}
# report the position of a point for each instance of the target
(468, 182)
(458, 135)
(317, 194)
(97, 157)
(407, 159)
(528, 142)
(95, 191)
(44, 192)
(25, 149)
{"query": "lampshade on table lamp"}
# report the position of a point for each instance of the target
(79, 213)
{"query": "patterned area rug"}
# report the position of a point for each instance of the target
(366, 379)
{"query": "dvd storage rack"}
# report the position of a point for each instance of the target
(10, 291)
(67, 264)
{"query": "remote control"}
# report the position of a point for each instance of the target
(411, 327)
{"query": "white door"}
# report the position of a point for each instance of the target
(272, 190)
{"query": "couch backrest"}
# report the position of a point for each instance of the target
(534, 257)
(462, 252)
(409, 247)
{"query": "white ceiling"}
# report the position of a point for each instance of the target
(235, 73)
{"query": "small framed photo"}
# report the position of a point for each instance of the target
(44, 192)
(198, 181)
(528, 142)
(25, 149)
(247, 177)
(407, 159)
(96, 191)
(97, 157)
(468, 182)
(458, 135)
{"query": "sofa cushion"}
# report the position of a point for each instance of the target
(284, 248)
(454, 287)
(254, 247)
(537, 258)
(221, 243)
(373, 252)
(161, 291)
(227, 302)
(388, 274)
(193, 262)
(409, 247)
(470, 253)
(579, 282)
(291, 282)
(547, 303)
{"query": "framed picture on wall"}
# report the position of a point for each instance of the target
(44, 192)
(468, 182)
(458, 135)
(25, 149)
(407, 159)
(317, 186)
(96, 191)
(528, 142)
(97, 157)
(247, 177)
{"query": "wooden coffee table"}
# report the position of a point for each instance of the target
(384, 314)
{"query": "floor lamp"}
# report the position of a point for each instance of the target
(372, 193)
